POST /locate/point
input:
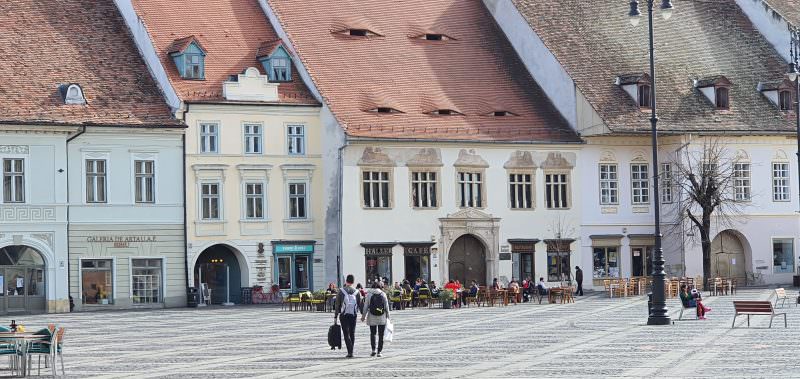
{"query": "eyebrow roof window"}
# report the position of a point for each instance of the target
(358, 32)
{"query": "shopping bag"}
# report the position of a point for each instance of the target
(388, 333)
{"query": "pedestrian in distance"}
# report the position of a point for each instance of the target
(376, 312)
(348, 302)
(579, 280)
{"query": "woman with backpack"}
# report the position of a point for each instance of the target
(376, 313)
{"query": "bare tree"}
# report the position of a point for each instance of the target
(705, 178)
(563, 233)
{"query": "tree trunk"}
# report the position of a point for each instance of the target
(705, 239)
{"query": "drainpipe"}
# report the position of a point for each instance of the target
(66, 152)
(341, 226)
(185, 217)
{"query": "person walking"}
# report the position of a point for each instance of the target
(347, 305)
(579, 280)
(376, 312)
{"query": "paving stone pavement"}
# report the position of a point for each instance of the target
(594, 337)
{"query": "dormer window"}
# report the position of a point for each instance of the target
(785, 100)
(637, 86)
(501, 114)
(358, 32)
(189, 57)
(276, 61)
(716, 89)
(434, 37)
(72, 94)
(444, 112)
(644, 95)
(385, 110)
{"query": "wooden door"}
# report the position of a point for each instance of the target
(467, 261)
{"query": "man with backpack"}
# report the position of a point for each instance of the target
(376, 313)
(348, 302)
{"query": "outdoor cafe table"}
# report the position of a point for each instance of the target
(22, 341)
(504, 294)
(555, 292)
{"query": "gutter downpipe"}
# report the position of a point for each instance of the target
(66, 152)
(185, 207)
(341, 225)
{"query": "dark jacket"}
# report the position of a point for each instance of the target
(579, 276)
(340, 300)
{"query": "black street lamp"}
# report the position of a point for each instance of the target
(659, 315)
(794, 61)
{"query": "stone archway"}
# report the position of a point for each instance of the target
(481, 227)
(467, 260)
(219, 267)
(729, 257)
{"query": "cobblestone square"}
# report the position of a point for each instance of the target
(594, 337)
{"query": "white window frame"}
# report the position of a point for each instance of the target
(468, 182)
(516, 180)
(640, 186)
(376, 200)
(104, 175)
(609, 185)
(113, 278)
(781, 187)
(248, 197)
(204, 145)
(12, 174)
(418, 184)
(201, 197)
(742, 181)
(286, 68)
(142, 186)
(550, 186)
(292, 138)
(793, 260)
(162, 283)
(289, 197)
(667, 185)
(253, 142)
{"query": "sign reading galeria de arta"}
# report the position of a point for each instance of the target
(121, 241)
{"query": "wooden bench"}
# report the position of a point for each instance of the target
(762, 308)
(780, 295)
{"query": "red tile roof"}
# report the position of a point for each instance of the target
(476, 73)
(230, 31)
(704, 39)
(181, 44)
(45, 43)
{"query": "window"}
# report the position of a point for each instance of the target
(146, 281)
(556, 188)
(785, 100)
(424, 189)
(470, 187)
(783, 255)
(644, 96)
(252, 138)
(254, 198)
(606, 262)
(780, 181)
(194, 66)
(741, 181)
(95, 180)
(297, 201)
(558, 267)
(378, 267)
(384, 110)
(210, 201)
(296, 139)
(641, 261)
(13, 180)
(520, 188)
(375, 188)
(609, 184)
(96, 281)
(209, 136)
(280, 71)
(722, 98)
(666, 183)
(640, 184)
(145, 176)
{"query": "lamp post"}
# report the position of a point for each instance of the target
(794, 61)
(658, 314)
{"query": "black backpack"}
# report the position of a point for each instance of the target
(377, 307)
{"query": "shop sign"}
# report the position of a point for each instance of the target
(505, 256)
(378, 251)
(294, 248)
(523, 247)
(416, 251)
(120, 241)
(504, 248)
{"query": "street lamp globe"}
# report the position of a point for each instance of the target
(666, 9)
(634, 14)
(792, 74)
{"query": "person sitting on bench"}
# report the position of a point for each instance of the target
(694, 300)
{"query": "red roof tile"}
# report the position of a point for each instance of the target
(84, 42)
(475, 73)
(181, 44)
(231, 32)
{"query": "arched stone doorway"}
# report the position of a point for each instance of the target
(219, 268)
(467, 260)
(23, 283)
(728, 256)
(479, 226)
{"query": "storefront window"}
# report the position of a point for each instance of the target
(146, 281)
(641, 261)
(783, 255)
(606, 262)
(96, 281)
(417, 261)
(379, 267)
(285, 273)
(293, 265)
(558, 266)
